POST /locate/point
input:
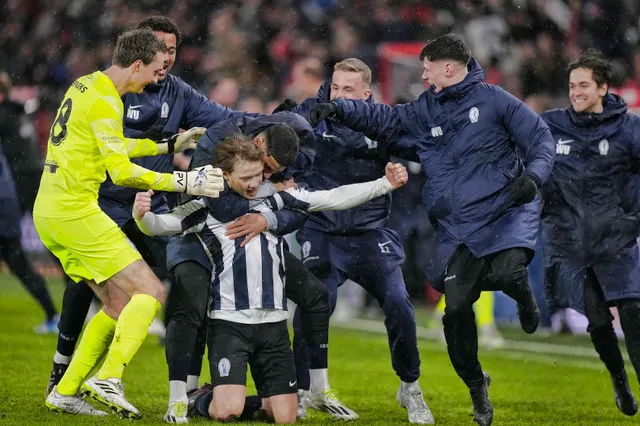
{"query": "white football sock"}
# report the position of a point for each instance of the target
(193, 383)
(319, 380)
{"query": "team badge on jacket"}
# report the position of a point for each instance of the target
(474, 113)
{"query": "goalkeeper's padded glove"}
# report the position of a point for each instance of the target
(205, 181)
(185, 140)
(179, 142)
(322, 112)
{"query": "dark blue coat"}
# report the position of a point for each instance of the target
(9, 204)
(587, 192)
(473, 140)
(252, 126)
(171, 104)
(345, 157)
(590, 203)
(189, 248)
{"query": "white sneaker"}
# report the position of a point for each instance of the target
(177, 412)
(489, 337)
(303, 403)
(413, 401)
(328, 402)
(73, 404)
(111, 393)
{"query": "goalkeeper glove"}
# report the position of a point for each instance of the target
(176, 143)
(205, 181)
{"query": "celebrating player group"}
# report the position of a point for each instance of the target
(499, 175)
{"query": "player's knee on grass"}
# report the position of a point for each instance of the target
(227, 402)
(281, 409)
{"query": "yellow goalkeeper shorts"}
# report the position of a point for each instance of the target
(91, 247)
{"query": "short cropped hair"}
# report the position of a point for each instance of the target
(137, 44)
(162, 24)
(355, 65)
(446, 47)
(283, 144)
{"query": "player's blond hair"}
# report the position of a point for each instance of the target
(355, 65)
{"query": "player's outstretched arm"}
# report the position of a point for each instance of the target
(349, 196)
(106, 125)
(145, 142)
(172, 223)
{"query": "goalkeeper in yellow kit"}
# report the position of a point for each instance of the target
(85, 142)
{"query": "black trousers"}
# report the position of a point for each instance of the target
(12, 252)
(466, 276)
(600, 326)
(185, 340)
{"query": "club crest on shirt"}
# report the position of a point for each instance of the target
(306, 249)
(164, 112)
(224, 367)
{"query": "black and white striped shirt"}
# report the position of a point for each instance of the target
(248, 282)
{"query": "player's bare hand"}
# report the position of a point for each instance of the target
(142, 204)
(248, 226)
(396, 174)
(284, 185)
(203, 181)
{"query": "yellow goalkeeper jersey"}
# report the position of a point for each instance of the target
(86, 141)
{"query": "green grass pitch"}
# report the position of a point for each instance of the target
(528, 388)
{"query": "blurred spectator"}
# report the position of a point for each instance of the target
(20, 146)
(225, 92)
(307, 76)
(252, 104)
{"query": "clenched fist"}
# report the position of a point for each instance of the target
(142, 204)
(396, 174)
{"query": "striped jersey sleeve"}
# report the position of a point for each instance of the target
(186, 218)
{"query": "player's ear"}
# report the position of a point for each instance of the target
(226, 176)
(260, 142)
(137, 65)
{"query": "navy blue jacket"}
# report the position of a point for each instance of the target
(590, 200)
(9, 204)
(344, 157)
(188, 248)
(171, 104)
(473, 140)
(252, 126)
